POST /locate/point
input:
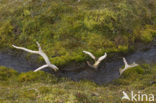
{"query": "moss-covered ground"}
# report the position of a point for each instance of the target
(42, 87)
(66, 27)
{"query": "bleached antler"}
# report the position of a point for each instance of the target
(40, 52)
(127, 66)
(97, 62)
(90, 54)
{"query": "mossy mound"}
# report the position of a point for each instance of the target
(7, 73)
(42, 87)
(35, 76)
(65, 28)
(133, 72)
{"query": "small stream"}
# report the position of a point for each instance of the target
(110, 70)
(19, 63)
(107, 71)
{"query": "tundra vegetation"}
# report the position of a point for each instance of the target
(65, 28)
(42, 87)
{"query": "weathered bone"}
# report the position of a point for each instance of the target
(40, 52)
(127, 66)
(97, 62)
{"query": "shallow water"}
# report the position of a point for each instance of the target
(107, 71)
(19, 63)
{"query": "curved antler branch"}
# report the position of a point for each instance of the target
(90, 64)
(42, 67)
(97, 62)
(40, 52)
(25, 49)
(39, 47)
(127, 66)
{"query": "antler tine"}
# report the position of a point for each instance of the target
(40, 52)
(127, 66)
(97, 62)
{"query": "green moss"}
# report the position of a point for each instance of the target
(63, 29)
(146, 36)
(133, 72)
(35, 76)
(131, 75)
(123, 49)
(146, 67)
(84, 98)
(30, 94)
(46, 88)
(7, 73)
(148, 33)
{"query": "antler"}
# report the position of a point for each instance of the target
(40, 52)
(100, 59)
(127, 66)
(97, 62)
(90, 54)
